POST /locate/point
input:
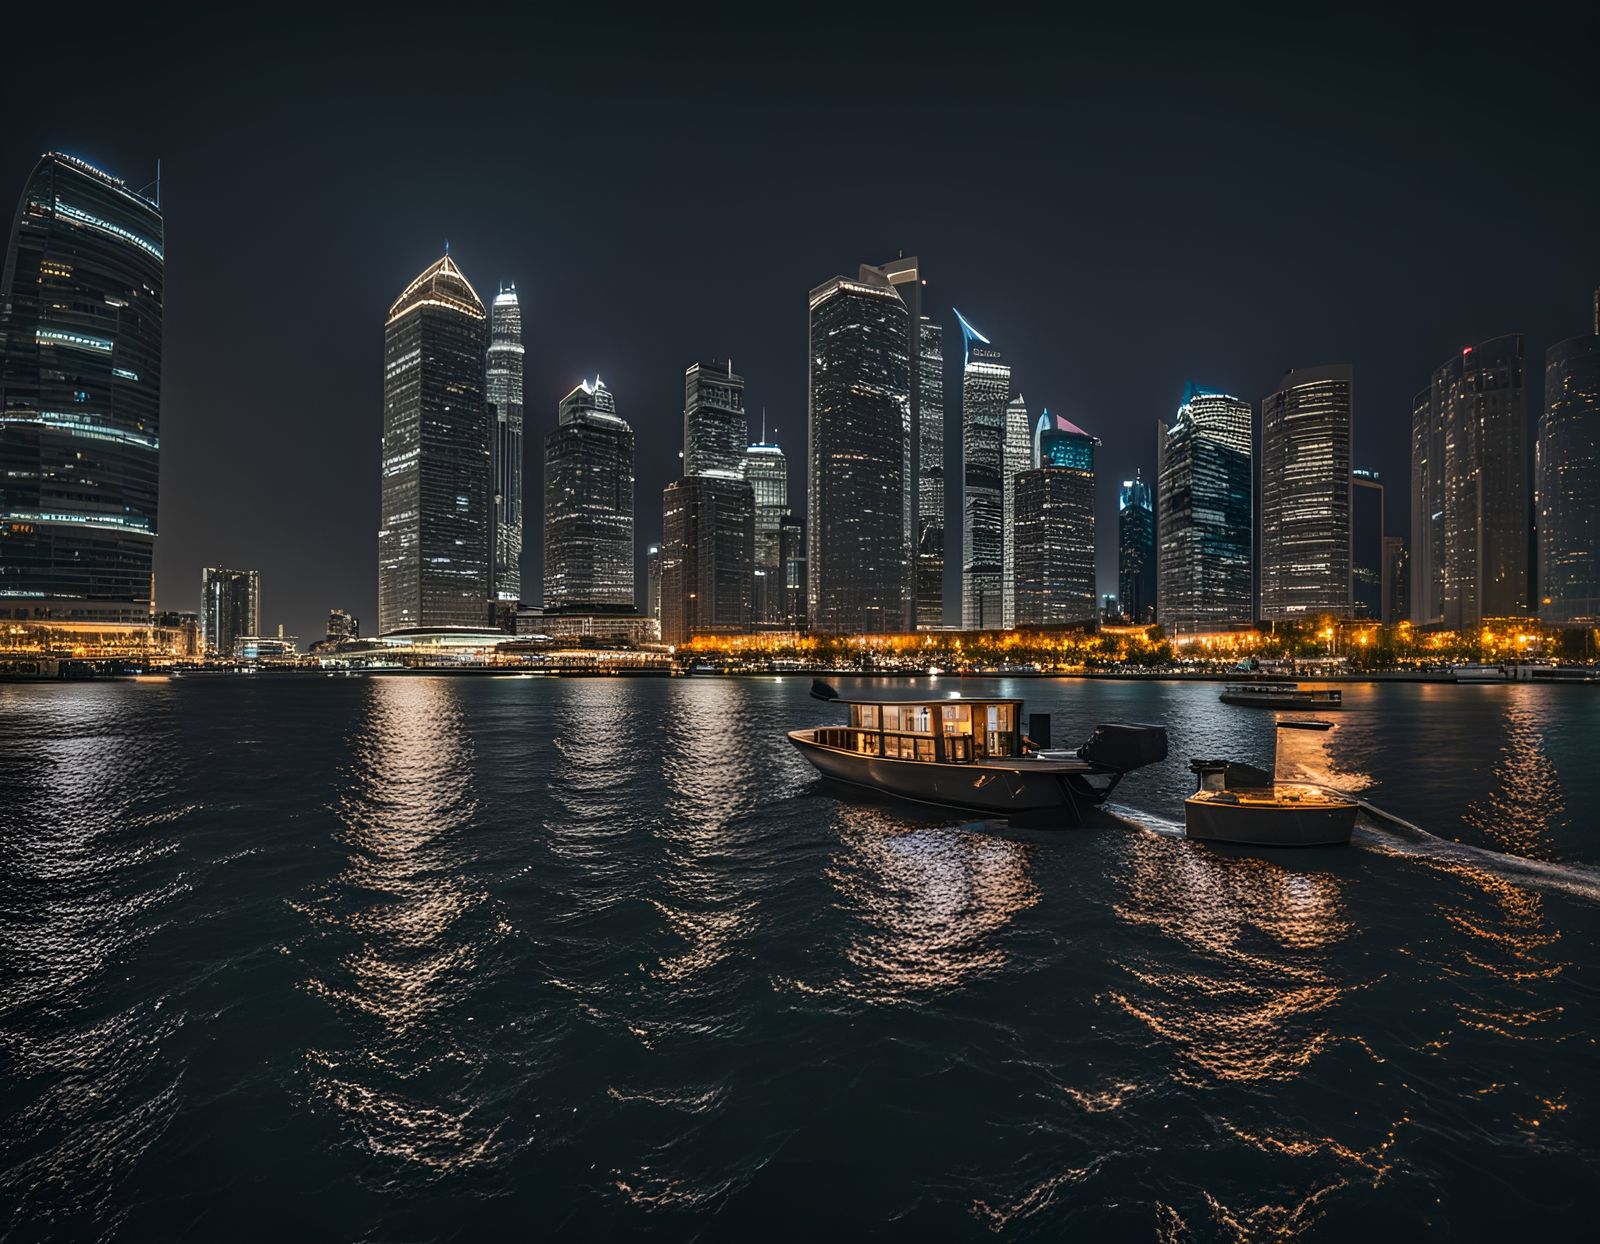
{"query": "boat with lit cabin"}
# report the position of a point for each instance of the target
(972, 754)
(1290, 807)
(1282, 695)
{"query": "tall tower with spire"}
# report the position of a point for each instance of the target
(985, 393)
(436, 541)
(504, 388)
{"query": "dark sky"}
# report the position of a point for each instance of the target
(1121, 207)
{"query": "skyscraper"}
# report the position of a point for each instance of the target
(985, 392)
(792, 557)
(1425, 557)
(1054, 531)
(1136, 551)
(436, 542)
(1305, 494)
(1569, 483)
(503, 386)
(714, 431)
(930, 482)
(1203, 527)
(1397, 580)
(1479, 406)
(230, 608)
(858, 456)
(588, 503)
(1017, 457)
(1369, 588)
(652, 582)
(767, 472)
(707, 563)
(80, 397)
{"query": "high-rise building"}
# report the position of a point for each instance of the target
(652, 582)
(930, 420)
(1305, 494)
(1479, 405)
(1569, 483)
(707, 564)
(1369, 588)
(503, 387)
(767, 472)
(342, 626)
(1397, 580)
(985, 393)
(1425, 557)
(588, 503)
(792, 557)
(436, 542)
(714, 431)
(1203, 515)
(230, 608)
(1054, 532)
(1016, 457)
(80, 397)
(859, 466)
(1136, 551)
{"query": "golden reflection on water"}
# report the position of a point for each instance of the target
(928, 903)
(1257, 937)
(410, 796)
(1525, 801)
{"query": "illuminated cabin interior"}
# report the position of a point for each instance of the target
(939, 731)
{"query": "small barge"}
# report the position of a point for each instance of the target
(972, 755)
(1282, 695)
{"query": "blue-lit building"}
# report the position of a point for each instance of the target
(1136, 551)
(80, 398)
(1054, 528)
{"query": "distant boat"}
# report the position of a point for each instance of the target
(972, 755)
(1288, 807)
(1522, 671)
(1282, 695)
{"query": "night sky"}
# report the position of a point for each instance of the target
(1120, 208)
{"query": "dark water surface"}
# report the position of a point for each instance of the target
(419, 959)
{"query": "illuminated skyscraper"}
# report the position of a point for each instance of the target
(588, 503)
(1478, 412)
(1054, 531)
(80, 397)
(1203, 527)
(436, 542)
(1369, 588)
(767, 472)
(503, 386)
(860, 481)
(230, 608)
(1425, 557)
(985, 393)
(1136, 551)
(1305, 494)
(1569, 483)
(714, 431)
(792, 557)
(930, 484)
(652, 582)
(1017, 458)
(707, 567)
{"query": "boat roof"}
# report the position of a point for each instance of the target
(947, 698)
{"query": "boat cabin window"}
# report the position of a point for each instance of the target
(864, 715)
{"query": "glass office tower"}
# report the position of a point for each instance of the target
(1136, 551)
(1054, 530)
(503, 386)
(714, 431)
(1203, 515)
(767, 472)
(588, 503)
(1305, 494)
(230, 608)
(436, 542)
(80, 397)
(1425, 557)
(1569, 484)
(707, 567)
(985, 393)
(859, 456)
(930, 482)
(1369, 567)
(1017, 457)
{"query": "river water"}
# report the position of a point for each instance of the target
(438, 959)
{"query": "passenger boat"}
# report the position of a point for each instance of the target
(1522, 671)
(1282, 695)
(971, 754)
(1289, 807)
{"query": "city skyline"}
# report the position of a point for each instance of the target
(1105, 339)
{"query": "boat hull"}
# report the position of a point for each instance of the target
(1281, 701)
(1270, 825)
(992, 790)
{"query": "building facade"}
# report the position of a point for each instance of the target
(792, 557)
(81, 308)
(652, 582)
(1136, 551)
(767, 472)
(707, 562)
(503, 387)
(1397, 578)
(436, 542)
(1568, 484)
(714, 430)
(1054, 531)
(230, 608)
(1016, 457)
(985, 393)
(1425, 555)
(1305, 495)
(588, 503)
(1369, 566)
(1203, 515)
(930, 481)
(859, 456)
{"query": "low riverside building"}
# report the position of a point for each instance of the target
(625, 627)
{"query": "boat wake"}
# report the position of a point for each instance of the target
(1387, 834)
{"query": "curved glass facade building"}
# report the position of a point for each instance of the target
(80, 397)
(1568, 487)
(503, 387)
(588, 503)
(985, 393)
(1136, 551)
(436, 542)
